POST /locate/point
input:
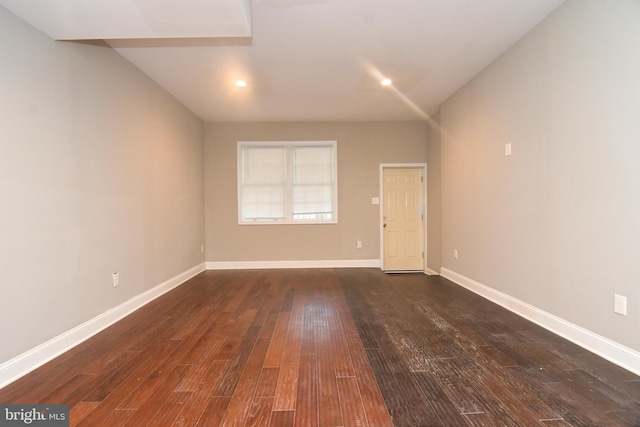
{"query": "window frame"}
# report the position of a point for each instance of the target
(288, 204)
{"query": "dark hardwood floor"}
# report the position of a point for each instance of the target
(343, 347)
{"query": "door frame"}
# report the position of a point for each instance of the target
(423, 167)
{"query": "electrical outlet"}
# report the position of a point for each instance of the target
(507, 149)
(202, 248)
(359, 244)
(455, 254)
(620, 304)
(116, 279)
(375, 200)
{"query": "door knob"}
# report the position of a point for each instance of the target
(384, 225)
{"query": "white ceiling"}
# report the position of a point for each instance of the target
(135, 19)
(305, 60)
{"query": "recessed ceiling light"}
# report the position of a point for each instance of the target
(385, 82)
(241, 83)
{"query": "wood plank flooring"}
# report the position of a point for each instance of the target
(329, 347)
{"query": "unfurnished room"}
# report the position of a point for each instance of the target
(320, 213)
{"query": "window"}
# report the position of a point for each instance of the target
(287, 182)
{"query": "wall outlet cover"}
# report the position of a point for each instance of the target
(620, 304)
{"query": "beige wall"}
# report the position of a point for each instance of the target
(100, 171)
(557, 224)
(361, 149)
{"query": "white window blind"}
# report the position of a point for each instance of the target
(292, 182)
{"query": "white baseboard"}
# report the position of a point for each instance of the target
(26, 362)
(431, 272)
(616, 353)
(252, 265)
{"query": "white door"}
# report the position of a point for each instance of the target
(403, 235)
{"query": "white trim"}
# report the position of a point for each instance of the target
(253, 265)
(422, 166)
(431, 272)
(26, 362)
(616, 353)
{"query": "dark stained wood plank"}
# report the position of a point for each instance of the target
(236, 336)
(453, 381)
(287, 301)
(341, 358)
(307, 398)
(365, 333)
(282, 418)
(599, 392)
(415, 352)
(353, 412)
(311, 310)
(194, 376)
(287, 387)
(497, 357)
(195, 407)
(502, 405)
(573, 407)
(344, 314)
(158, 399)
(200, 318)
(276, 349)
(267, 383)
(244, 286)
(126, 388)
(237, 411)
(32, 384)
(155, 333)
(628, 417)
(269, 325)
(201, 366)
(72, 391)
(602, 369)
(192, 410)
(447, 413)
(142, 363)
(43, 390)
(328, 401)
(558, 422)
(267, 314)
(237, 364)
(79, 411)
(502, 382)
(170, 409)
(118, 417)
(399, 409)
(213, 413)
(408, 387)
(483, 419)
(372, 400)
(260, 412)
(201, 348)
(167, 368)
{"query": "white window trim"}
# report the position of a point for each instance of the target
(242, 144)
